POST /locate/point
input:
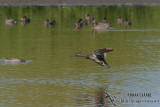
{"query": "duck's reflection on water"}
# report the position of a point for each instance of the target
(96, 99)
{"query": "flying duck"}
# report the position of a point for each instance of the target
(98, 56)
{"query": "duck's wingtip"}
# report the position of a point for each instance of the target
(107, 68)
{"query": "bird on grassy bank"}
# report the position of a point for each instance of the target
(24, 20)
(49, 22)
(98, 56)
(14, 60)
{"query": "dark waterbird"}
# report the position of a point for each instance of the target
(88, 18)
(49, 22)
(127, 23)
(80, 23)
(98, 56)
(25, 20)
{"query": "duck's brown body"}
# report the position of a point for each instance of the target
(127, 23)
(10, 21)
(80, 24)
(101, 25)
(119, 21)
(104, 20)
(24, 20)
(14, 60)
(49, 22)
(98, 56)
(89, 18)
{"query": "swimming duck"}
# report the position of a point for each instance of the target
(49, 22)
(98, 56)
(25, 20)
(101, 26)
(14, 60)
(10, 21)
(104, 20)
(80, 24)
(127, 23)
(119, 21)
(88, 18)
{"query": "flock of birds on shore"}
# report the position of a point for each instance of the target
(97, 56)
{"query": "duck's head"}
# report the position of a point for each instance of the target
(47, 20)
(80, 20)
(86, 15)
(126, 20)
(109, 49)
(104, 18)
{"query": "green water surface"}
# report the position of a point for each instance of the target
(53, 78)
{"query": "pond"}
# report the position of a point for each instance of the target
(52, 77)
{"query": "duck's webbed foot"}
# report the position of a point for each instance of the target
(105, 65)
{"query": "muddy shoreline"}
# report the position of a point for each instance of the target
(78, 2)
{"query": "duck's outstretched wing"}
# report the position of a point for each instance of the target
(101, 53)
(105, 64)
(98, 56)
